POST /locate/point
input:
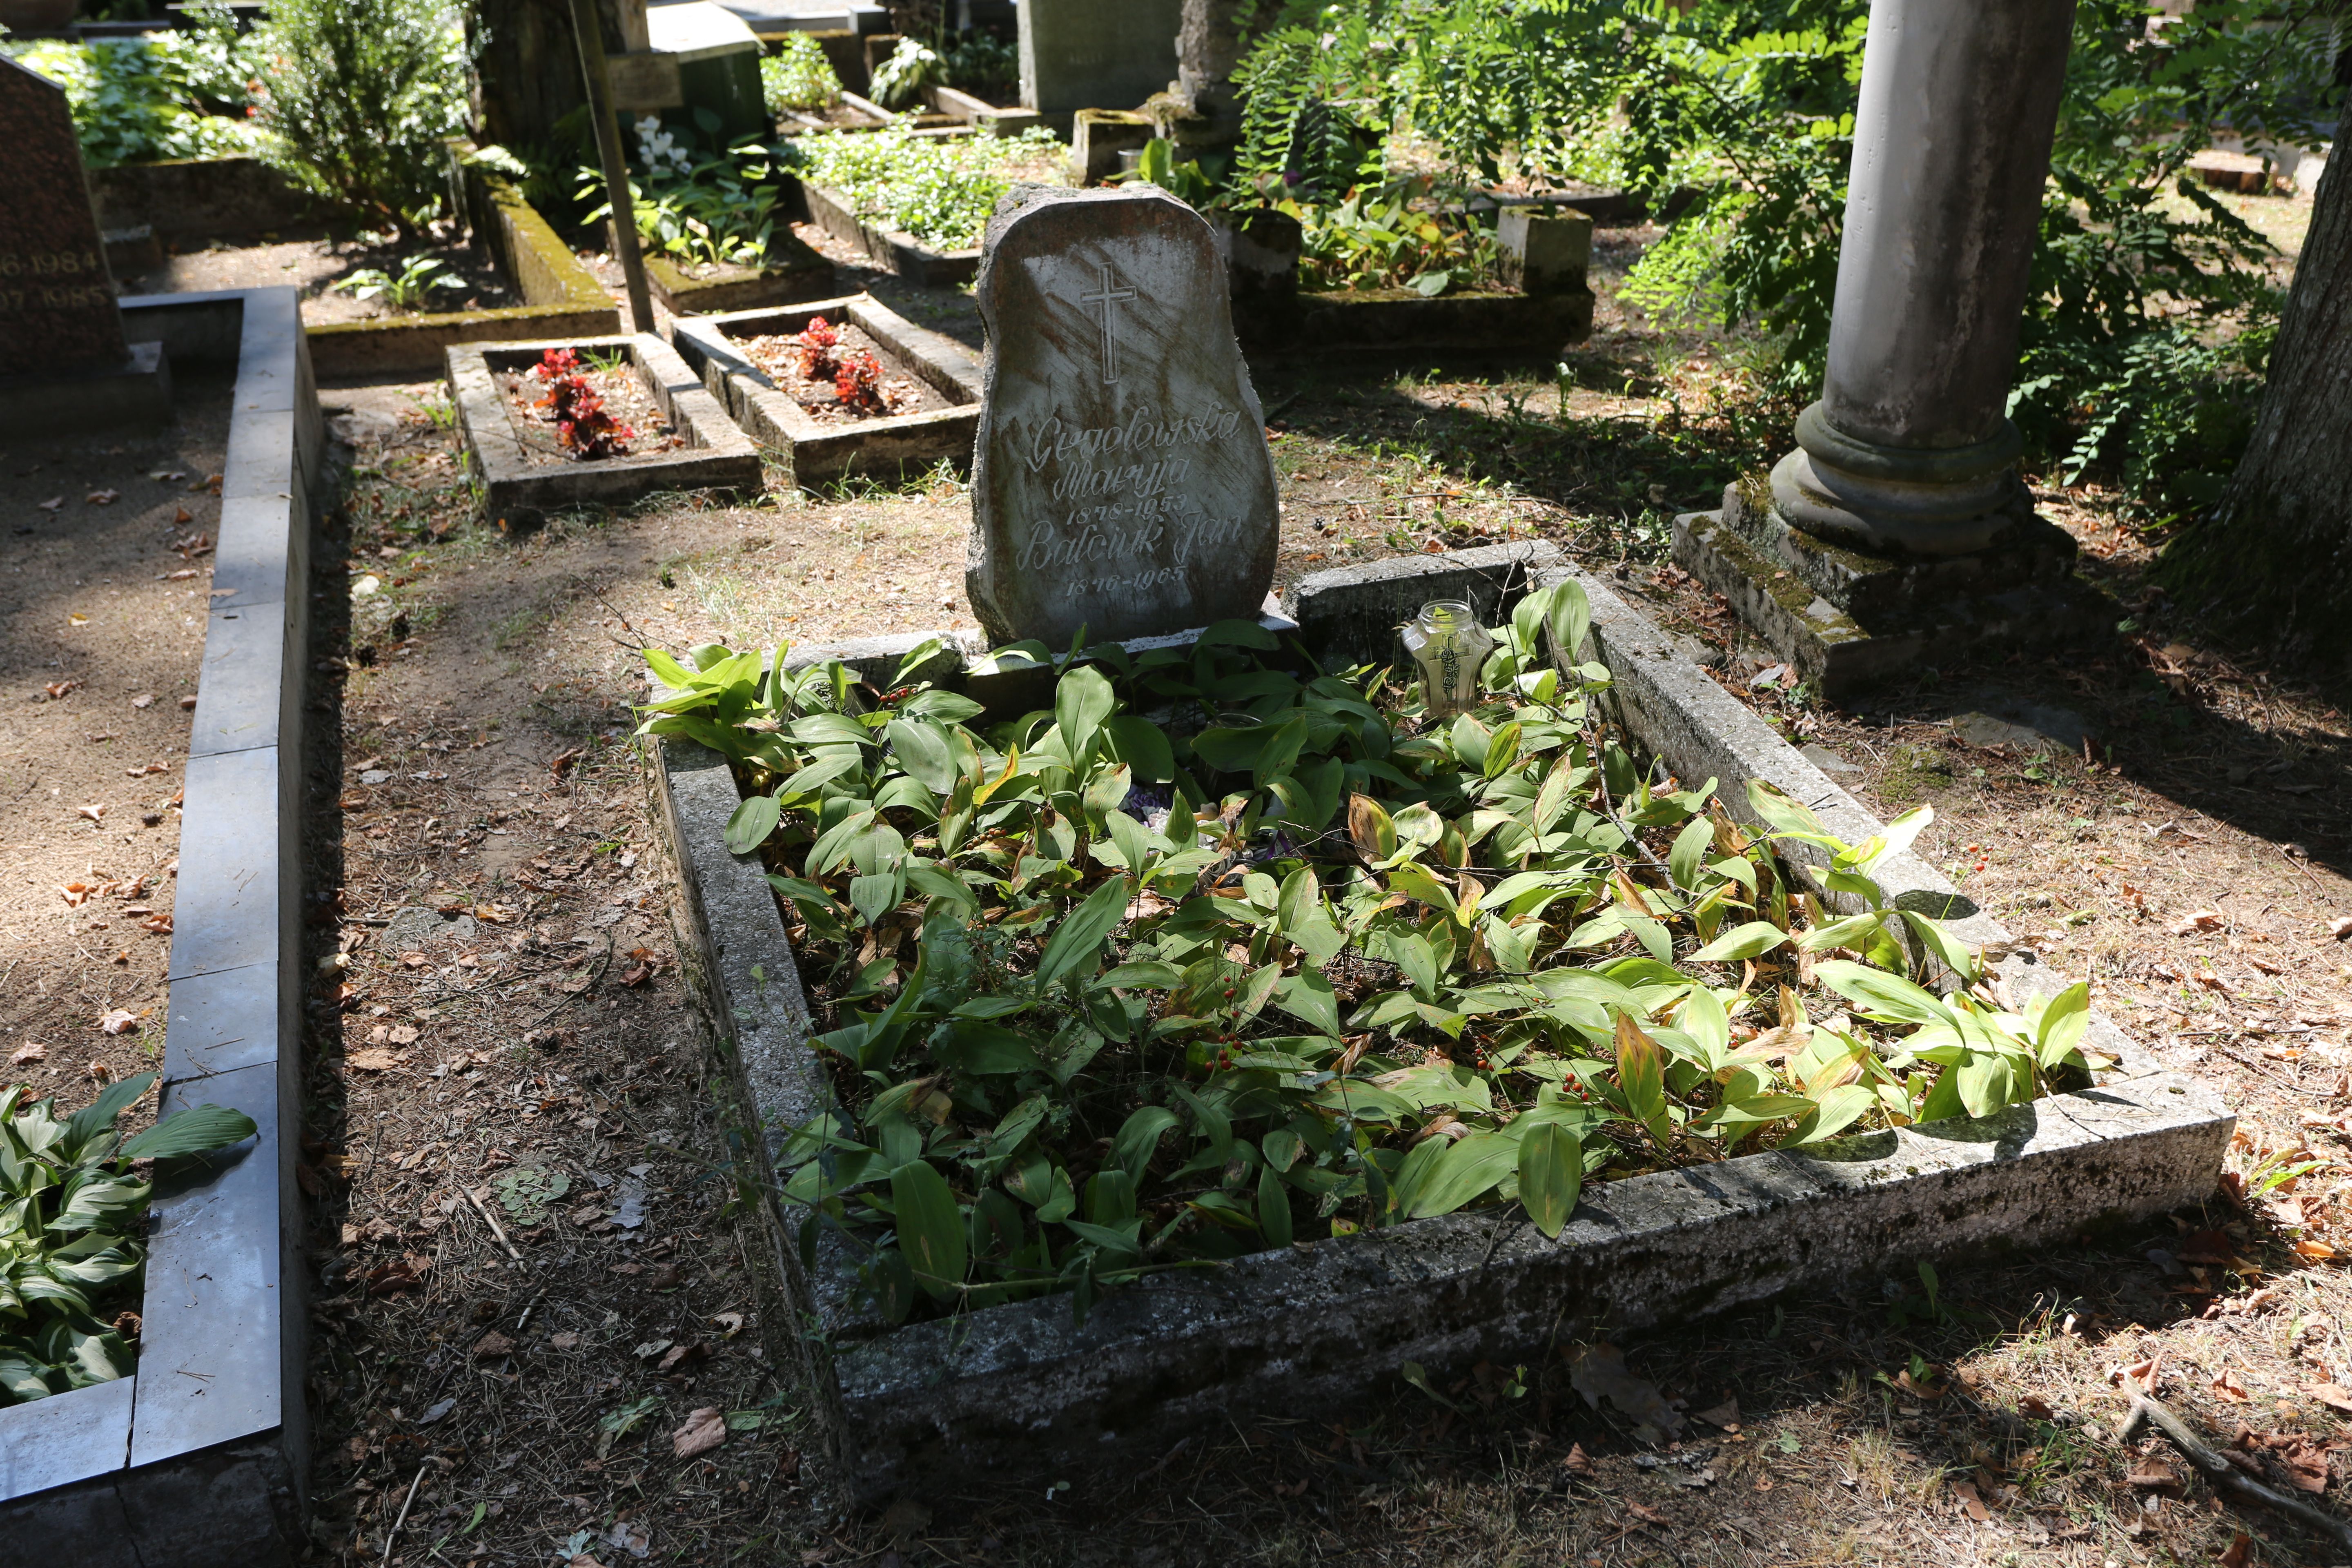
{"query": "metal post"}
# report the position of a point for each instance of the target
(590, 33)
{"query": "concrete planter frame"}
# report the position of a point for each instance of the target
(515, 490)
(889, 249)
(200, 1458)
(207, 197)
(1017, 1388)
(892, 447)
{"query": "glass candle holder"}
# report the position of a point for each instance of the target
(1451, 647)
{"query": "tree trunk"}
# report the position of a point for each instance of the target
(2273, 560)
(528, 82)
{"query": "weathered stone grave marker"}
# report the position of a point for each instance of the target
(1121, 480)
(63, 359)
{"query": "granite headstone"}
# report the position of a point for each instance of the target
(57, 301)
(1121, 480)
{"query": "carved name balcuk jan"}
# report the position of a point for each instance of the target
(1121, 480)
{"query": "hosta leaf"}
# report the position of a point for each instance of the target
(752, 822)
(929, 1226)
(1551, 1172)
(1077, 941)
(1752, 940)
(194, 1130)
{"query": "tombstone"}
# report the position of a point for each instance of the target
(1095, 53)
(1121, 480)
(61, 344)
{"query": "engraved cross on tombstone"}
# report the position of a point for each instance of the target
(1120, 478)
(1108, 298)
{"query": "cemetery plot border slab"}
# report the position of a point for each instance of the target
(993, 120)
(1017, 1387)
(716, 456)
(1400, 318)
(893, 446)
(889, 249)
(561, 296)
(199, 1459)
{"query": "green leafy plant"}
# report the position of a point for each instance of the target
(1225, 952)
(937, 190)
(408, 290)
(797, 76)
(72, 1204)
(900, 80)
(1191, 181)
(171, 94)
(362, 97)
(701, 207)
(1384, 237)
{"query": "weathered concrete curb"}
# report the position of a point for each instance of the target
(888, 248)
(1400, 318)
(1017, 1387)
(893, 447)
(1353, 613)
(200, 1459)
(793, 272)
(516, 491)
(560, 297)
(201, 198)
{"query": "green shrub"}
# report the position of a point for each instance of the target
(180, 94)
(363, 96)
(798, 77)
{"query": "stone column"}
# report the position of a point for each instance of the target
(1909, 449)
(1208, 48)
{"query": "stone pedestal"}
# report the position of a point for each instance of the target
(1901, 505)
(1844, 618)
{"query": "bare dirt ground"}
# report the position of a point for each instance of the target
(316, 263)
(531, 1287)
(105, 576)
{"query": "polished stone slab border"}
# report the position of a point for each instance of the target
(199, 1459)
(1018, 1388)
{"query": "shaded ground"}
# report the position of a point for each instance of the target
(105, 573)
(467, 279)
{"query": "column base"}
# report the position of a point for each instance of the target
(1844, 618)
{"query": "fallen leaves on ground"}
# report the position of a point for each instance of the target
(372, 1058)
(705, 1430)
(1599, 1373)
(118, 1021)
(29, 1052)
(95, 813)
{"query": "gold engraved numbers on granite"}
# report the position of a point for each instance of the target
(1109, 299)
(25, 280)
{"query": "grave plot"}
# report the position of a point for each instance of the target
(1335, 1266)
(840, 386)
(1385, 959)
(916, 205)
(543, 435)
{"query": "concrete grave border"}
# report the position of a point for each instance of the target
(1016, 1387)
(205, 197)
(889, 446)
(888, 248)
(716, 456)
(200, 1458)
(561, 296)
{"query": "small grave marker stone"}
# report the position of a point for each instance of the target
(57, 301)
(1121, 480)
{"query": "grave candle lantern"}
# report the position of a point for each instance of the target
(1450, 646)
